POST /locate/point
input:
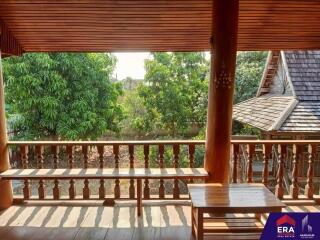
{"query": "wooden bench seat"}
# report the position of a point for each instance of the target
(107, 173)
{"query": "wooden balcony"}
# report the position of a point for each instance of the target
(93, 207)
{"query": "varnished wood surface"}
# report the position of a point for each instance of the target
(107, 173)
(155, 142)
(88, 222)
(233, 198)
(158, 25)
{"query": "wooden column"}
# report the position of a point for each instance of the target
(6, 197)
(221, 89)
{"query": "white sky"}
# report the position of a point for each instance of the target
(130, 65)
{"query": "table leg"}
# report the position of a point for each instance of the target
(139, 196)
(199, 224)
(192, 220)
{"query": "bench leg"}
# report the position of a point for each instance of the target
(139, 197)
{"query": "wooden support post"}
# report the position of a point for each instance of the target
(220, 99)
(6, 196)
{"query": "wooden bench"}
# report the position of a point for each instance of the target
(107, 173)
(230, 209)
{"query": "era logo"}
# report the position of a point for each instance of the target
(285, 226)
(284, 229)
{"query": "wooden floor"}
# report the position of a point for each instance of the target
(160, 220)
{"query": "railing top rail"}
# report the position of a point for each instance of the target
(155, 142)
(96, 143)
(275, 141)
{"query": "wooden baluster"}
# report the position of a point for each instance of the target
(191, 157)
(55, 155)
(85, 189)
(116, 160)
(72, 189)
(131, 161)
(250, 150)
(281, 157)
(146, 190)
(56, 187)
(84, 149)
(309, 188)
(101, 153)
(267, 151)
(25, 163)
(236, 149)
(296, 156)
(102, 191)
(176, 151)
(161, 165)
(39, 153)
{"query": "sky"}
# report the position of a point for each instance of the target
(130, 65)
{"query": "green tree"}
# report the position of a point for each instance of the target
(249, 71)
(62, 95)
(175, 90)
(250, 66)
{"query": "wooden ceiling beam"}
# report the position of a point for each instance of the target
(9, 45)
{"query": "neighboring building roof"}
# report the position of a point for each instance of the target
(304, 71)
(288, 99)
(262, 112)
(304, 118)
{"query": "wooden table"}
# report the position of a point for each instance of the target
(216, 201)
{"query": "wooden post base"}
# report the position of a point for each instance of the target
(6, 199)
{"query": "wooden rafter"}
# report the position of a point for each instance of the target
(159, 25)
(9, 45)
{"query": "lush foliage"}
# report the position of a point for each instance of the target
(62, 95)
(250, 66)
(175, 90)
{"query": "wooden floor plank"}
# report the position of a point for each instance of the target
(96, 222)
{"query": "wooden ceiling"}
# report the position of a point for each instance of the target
(156, 25)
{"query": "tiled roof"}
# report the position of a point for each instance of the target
(297, 110)
(304, 118)
(304, 72)
(261, 112)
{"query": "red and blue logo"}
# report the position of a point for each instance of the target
(292, 226)
(286, 227)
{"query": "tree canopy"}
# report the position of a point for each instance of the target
(62, 95)
(249, 71)
(175, 90)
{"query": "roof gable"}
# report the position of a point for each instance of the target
(276, 79)
(288, 99)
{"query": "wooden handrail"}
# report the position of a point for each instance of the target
(154, 142)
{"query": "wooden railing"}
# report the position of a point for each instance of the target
(259, 157)
(105, 154)
(287, 167)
